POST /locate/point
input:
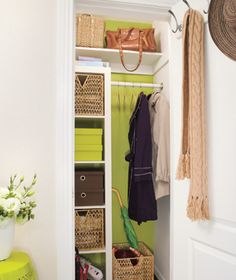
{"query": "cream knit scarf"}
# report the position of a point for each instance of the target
(192, 162)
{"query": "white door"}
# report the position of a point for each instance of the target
(207, 250)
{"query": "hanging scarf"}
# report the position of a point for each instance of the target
(192, 162)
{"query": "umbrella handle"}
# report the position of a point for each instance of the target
(118, 196)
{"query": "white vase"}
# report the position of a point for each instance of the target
(7, 234)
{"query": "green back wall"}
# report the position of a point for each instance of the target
(123, 101)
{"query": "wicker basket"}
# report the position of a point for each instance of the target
(90, 31)
(123, 269)
(89, 229)
(89, 92)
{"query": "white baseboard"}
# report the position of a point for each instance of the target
(158, 274)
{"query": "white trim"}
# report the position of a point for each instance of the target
(158, 274)
(64, 142)
(131, 10)
(108, 173)
(172, 166)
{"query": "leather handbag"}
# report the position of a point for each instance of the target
(132, 39)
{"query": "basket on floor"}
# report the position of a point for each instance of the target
(90, 31)
(123, 269)
(89, 94)
(89, 229)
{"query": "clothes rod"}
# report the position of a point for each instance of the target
(138, 85)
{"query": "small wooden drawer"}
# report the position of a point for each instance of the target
(89, 197)
(85, 180)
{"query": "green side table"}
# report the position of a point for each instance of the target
(17, 267)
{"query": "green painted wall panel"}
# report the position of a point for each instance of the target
(114, 25)
(123, 102)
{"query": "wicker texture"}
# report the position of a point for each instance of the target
(89, 229)
(90, 31)
(123, 269)
(89, 94)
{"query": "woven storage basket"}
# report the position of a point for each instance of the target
(123, 269)
(90, 31)
(89, 229)
(89, 94)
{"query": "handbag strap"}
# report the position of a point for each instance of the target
(140, 47)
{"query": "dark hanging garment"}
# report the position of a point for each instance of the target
(142, 205)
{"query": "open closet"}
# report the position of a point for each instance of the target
(172, 236)
(119, 93)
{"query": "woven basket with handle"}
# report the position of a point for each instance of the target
(90, 31)
(123, 269)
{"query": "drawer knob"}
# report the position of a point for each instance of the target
(83, 195)
(82, 178)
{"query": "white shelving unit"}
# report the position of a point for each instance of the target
(105, 163)
(93, 252)
(148, 65)
(89, 117)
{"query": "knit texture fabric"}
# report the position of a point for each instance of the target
(192, 161)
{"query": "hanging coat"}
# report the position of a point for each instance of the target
(142, 205)
(159, 110)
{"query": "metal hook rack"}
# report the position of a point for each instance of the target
(187, 3)
(206, 12)
(179, 27)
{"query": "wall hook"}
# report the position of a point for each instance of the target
(186, 2)
(178, 26)
(206, 12)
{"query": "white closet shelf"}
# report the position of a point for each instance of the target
(84, 252)
(90, 162)
(90, 207)
(88, 117)
(149, 59)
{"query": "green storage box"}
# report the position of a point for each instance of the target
(88, 136)
(88, 152)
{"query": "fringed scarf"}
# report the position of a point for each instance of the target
(192, 162)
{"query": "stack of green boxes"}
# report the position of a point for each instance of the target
(88, 144)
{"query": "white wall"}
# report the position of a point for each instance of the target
(27, 117)
(220, 118)
(162, 229)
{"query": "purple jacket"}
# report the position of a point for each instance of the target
(141, 197)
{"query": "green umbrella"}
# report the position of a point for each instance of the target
(128, 227)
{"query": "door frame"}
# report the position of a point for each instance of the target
(64, 171)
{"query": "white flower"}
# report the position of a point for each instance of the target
(4, 192)
(3, 203)
(12, 204)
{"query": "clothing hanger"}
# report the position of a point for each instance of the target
(132, 100)
(118, 97)
(159, 90)
(124, 102)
